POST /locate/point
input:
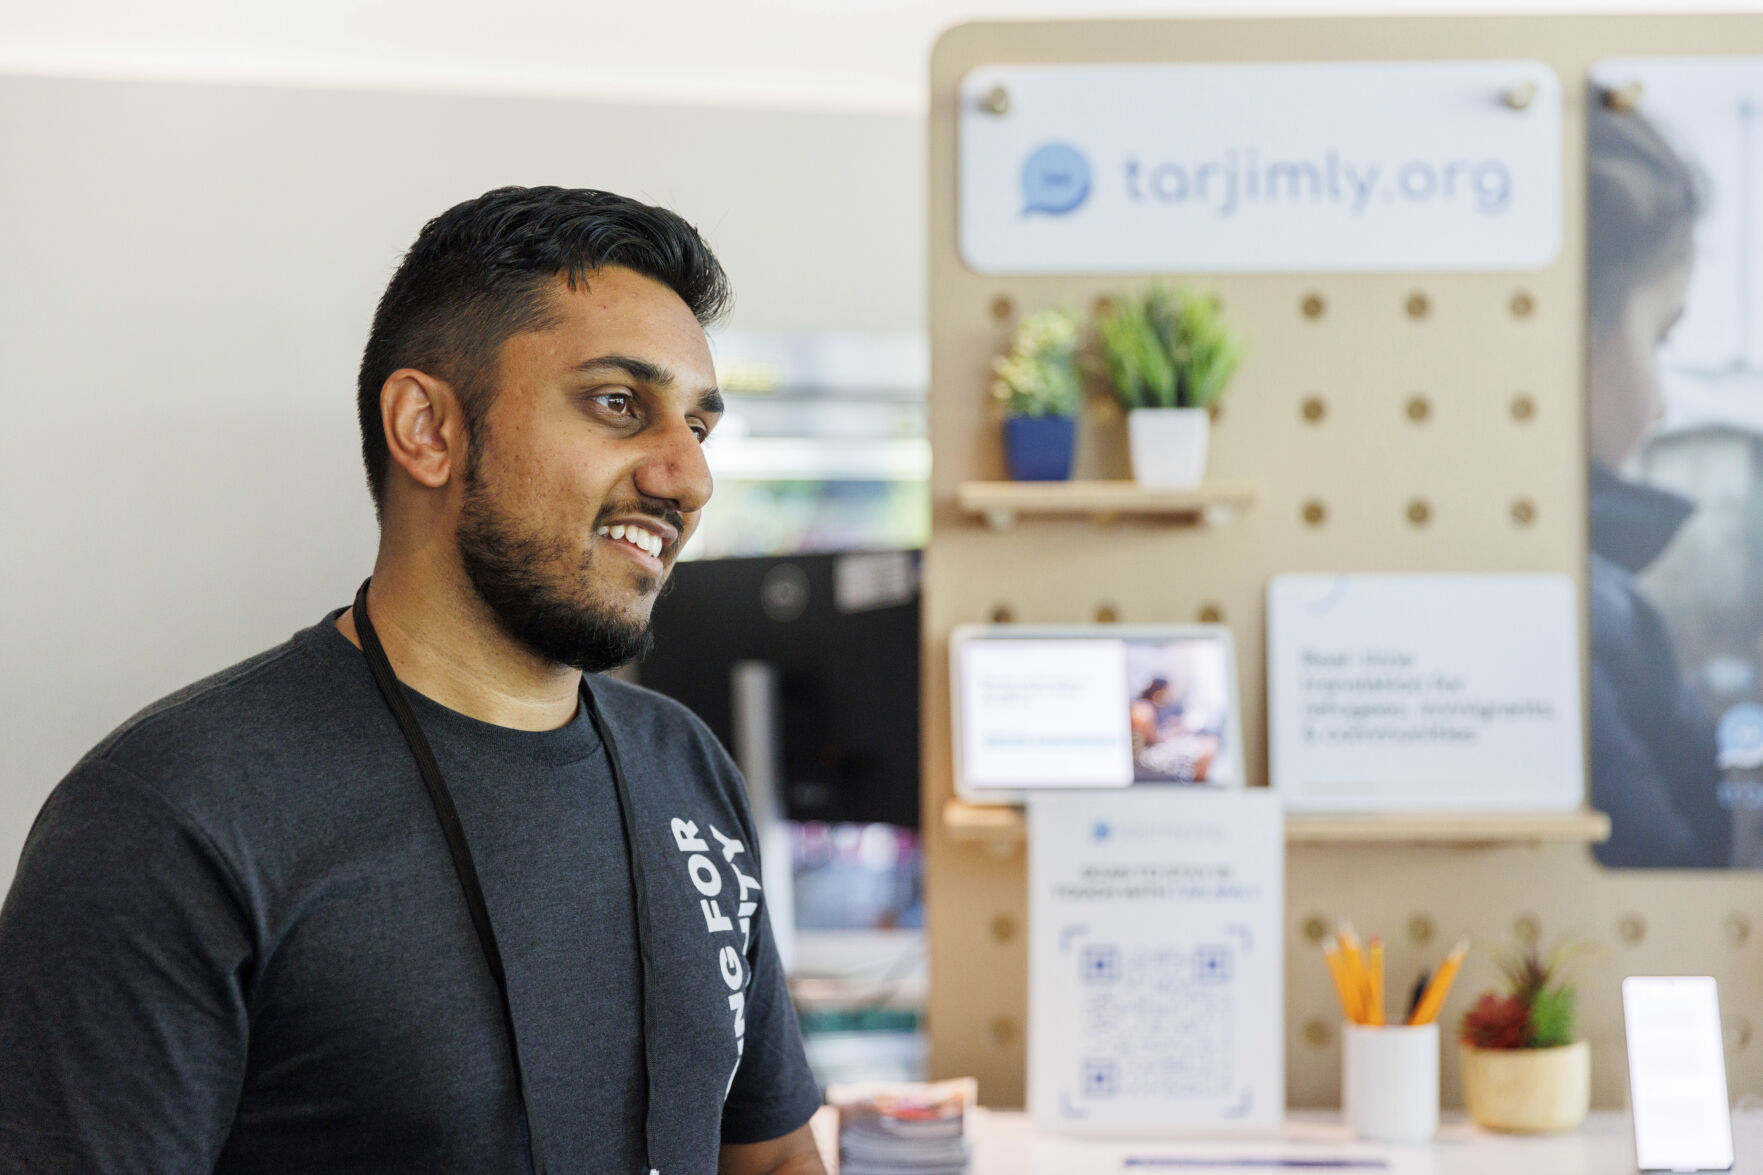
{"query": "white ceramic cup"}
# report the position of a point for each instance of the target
(1390, 1081)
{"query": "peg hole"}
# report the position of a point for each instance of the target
(1527, 929)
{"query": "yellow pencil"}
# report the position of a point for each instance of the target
(1374, 984)
(1353, 960)
(1338, 971)
(1436, 991)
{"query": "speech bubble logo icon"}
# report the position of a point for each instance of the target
(1055, 179)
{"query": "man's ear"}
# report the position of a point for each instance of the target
(424, 424)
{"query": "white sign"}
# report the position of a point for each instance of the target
(1048, 713)
(1156, 961)
(1424, 692)
(1423, 166)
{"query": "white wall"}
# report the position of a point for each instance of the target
(854, 54)
(187, 274)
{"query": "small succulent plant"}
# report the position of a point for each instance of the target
(1166, 349)
(1537, 1009)
(1039, 377)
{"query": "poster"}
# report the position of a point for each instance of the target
(1674, 159)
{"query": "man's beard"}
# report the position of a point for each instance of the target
(507, 569)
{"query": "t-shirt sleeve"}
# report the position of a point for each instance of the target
(774, 1091)
(124, 949)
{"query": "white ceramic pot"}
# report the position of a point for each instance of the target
(1528, 1091)
(1390, 1081)
(1168, 446)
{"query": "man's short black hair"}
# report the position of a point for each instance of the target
(481, 272)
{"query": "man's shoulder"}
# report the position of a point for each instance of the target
(261, 706)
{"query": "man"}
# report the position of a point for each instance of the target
(247, 934)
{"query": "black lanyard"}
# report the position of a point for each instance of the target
(393, 691)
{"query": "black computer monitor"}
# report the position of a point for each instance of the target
(841, 633)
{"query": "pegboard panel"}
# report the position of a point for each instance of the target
(1388, 422)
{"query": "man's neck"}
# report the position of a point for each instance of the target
(453, 652)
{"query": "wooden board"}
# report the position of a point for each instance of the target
(1489, 340)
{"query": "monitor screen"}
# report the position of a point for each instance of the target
(840, 635)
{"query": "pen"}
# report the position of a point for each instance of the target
(1272, 1164)
(1414, 997)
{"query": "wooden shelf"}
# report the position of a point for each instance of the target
(1001, 503)
(1584, 826)
(1003, 826)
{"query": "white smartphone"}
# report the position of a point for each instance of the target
(1677, 1073)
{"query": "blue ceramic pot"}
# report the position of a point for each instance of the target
(1039, 448)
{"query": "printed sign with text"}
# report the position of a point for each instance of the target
(1156, 961)
(1432, 166)
(1425, 692)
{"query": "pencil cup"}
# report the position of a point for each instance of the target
(1390, 1081)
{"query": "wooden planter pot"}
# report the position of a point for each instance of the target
(1528, 1091)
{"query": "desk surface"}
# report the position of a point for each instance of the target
(1006, 1144)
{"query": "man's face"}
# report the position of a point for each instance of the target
(590, 474)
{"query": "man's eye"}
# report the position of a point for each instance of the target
(620, 402)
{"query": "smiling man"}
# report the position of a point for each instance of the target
(418, 890)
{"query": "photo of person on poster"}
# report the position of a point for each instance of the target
(1655, 753)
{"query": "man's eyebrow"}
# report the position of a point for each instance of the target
(637, 369)
(709, 400)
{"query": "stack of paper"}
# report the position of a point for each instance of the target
(903, 1128)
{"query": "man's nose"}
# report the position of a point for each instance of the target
(675, 469)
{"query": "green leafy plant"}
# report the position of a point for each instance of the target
(1167, 349)
(1537, 1010)
(1039, 377)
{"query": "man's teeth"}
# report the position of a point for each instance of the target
(636, 536)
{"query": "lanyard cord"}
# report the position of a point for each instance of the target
(393, 692)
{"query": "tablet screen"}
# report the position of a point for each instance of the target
(1677, 1073)
(1097, 711)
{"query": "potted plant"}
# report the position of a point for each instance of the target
(1038, 390)
(1523, 1070)
(1168, 356)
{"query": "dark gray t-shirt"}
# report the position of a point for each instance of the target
(236, 941)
